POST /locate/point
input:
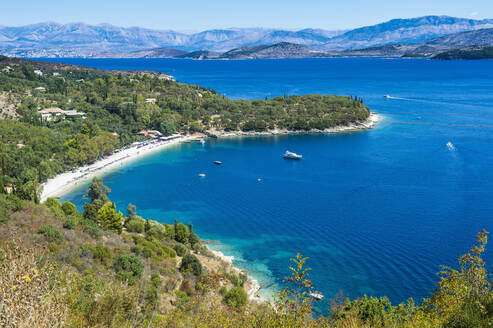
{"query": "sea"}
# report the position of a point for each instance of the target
(376, 212)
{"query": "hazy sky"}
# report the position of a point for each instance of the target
(192, 15)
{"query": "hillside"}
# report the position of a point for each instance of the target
(279, 50)
(482, 37)
(476, 52)
(403, 31)
(151, 53)
(116, 105)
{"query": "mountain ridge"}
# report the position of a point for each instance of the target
(52, 39)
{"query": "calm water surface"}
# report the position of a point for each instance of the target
(376, 211)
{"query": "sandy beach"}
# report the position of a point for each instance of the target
(64, 182)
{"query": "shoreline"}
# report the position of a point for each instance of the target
(64, 182)
(252, 285)
(370, 122)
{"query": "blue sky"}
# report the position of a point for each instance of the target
(192, 15)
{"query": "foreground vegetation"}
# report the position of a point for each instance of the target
(98, 268)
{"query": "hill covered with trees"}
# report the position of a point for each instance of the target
(115, 105)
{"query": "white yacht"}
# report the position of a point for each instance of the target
(387, 96)
(317, 296)
(291, 155)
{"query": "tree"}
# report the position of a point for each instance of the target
(128, 268)
(192, 237)
(69, 208)
(181, 234)
(109, 219)
(98, 193)
(131, 211)
(167, 127)
(236, 297)
(191, 263)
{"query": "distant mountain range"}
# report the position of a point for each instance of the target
(396, 37)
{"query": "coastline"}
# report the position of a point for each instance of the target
(370, 122)
(67, 181)
(64, 182)
(252, 285)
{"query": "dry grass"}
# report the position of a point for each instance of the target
(29, 298)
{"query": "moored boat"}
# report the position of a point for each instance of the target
(218, 162)
(317, 296)
(291, 155)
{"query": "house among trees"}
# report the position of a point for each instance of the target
(48, 114)
(150, 100)
(150, 133)
(41, 89)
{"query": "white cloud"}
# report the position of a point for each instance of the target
(474, 14)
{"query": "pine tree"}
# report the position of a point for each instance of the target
(109, 219)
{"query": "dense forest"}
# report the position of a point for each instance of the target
(116, 105)
(98, 267)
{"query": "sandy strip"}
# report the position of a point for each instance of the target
(64, 182)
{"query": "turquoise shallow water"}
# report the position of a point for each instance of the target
(376, 211)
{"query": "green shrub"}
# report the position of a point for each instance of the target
(187, 287)
(128, 268)
(180, 249)
(135, 225)
(69, 208)
(191, 263)
(14, 203)
(54, 247)
(56, 208)
(102, 253)
(4, 214)
(70, 222)
(91, 228)
(236, 279)
(236, 297)
(51, 233)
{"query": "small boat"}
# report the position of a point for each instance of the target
(317, 296)
(202, 141)
(218, 162)
(291, 155)
(259, 180)
(202, 175)
(450, 146)
(387, 96)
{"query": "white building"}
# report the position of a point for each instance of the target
(48, 114)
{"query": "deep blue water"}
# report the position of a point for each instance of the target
(377, 211)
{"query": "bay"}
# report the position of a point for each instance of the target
(377, 211)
